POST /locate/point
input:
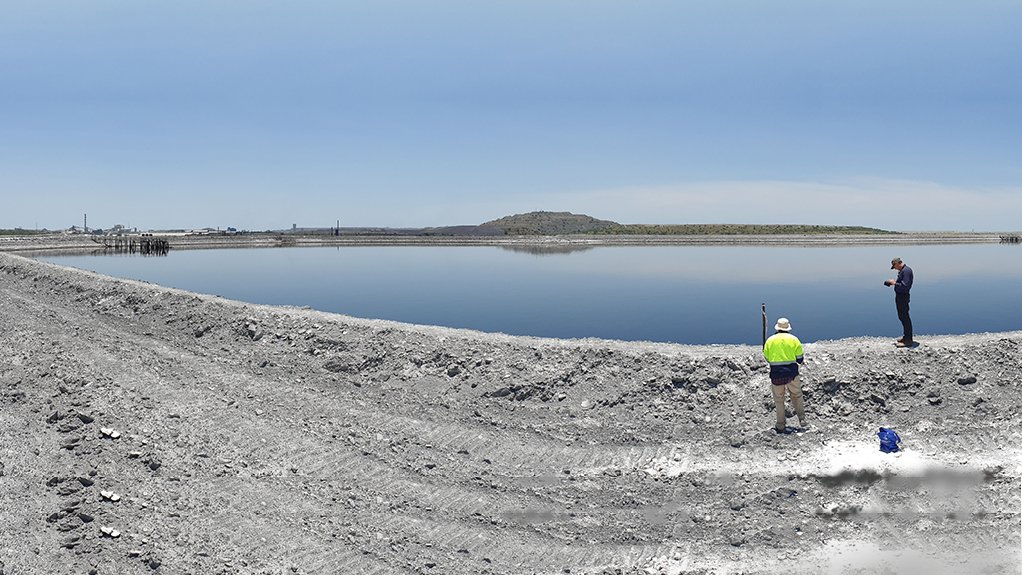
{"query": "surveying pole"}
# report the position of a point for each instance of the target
(763, 308)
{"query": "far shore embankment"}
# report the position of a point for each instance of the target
(84, 243)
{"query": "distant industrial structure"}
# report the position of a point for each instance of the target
(145, 245)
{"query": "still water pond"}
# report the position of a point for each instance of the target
(685, 294)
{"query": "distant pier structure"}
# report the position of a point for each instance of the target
(1009, 239)
(142, 245)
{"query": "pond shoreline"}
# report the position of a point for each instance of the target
(564, 288)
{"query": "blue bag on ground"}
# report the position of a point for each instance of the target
(888, 440)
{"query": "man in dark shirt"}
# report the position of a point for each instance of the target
(902, 284)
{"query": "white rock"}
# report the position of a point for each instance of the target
(110, 432)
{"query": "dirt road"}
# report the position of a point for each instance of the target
(149, 429)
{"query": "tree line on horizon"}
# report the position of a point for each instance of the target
(734, 229)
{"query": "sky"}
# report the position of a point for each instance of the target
(898, 114)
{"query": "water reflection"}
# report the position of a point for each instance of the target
(546, 250)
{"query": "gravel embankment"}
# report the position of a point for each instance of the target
(145, 429)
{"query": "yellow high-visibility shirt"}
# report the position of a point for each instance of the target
(783, 352)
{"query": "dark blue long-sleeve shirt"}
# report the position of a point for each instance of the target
(904, 282)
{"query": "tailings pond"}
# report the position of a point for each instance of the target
(684, 294)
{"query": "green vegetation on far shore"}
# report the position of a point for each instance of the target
(22, 232)
(733, 230)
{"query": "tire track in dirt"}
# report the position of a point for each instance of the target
(465, 509)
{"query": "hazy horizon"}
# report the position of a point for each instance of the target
(299, 227)
(893, 115)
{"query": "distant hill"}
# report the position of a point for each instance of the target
(548, 224)
(567, 223)
(559, 223)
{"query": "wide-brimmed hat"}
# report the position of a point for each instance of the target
(783, 324)
(895, 261)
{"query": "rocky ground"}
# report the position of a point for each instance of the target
(145, 429)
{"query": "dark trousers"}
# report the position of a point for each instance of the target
(901, 302)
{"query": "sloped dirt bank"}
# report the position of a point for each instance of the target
(145, 429)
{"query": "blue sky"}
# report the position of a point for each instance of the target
(900, 114)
